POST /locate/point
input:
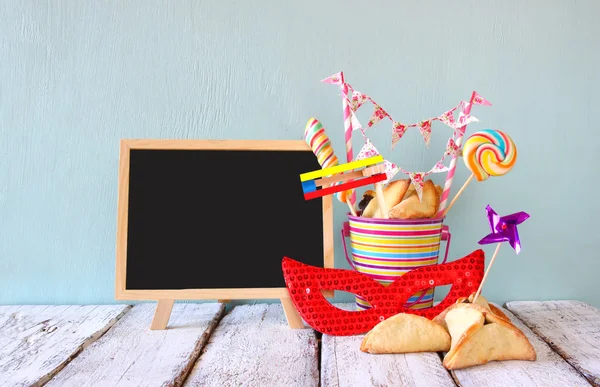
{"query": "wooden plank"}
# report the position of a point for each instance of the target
(131, 354)
(38, 341)
(254, 346)
(571, 328)
(548, 370)
(343, 364)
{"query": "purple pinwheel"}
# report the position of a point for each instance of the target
(504, 228)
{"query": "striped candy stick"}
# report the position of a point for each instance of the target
(348, 132)
(453, 161)
(315, 137)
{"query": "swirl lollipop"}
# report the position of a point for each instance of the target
(315, 137)
(487, 153)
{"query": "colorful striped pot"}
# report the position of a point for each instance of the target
(385, 249)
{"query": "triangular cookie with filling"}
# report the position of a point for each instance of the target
(392, 194)
(481, 300)
(412, 207)
(480, 336)
(463, 301)
(406, 333)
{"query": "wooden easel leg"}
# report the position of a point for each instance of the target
(162, 314)
(291, 314)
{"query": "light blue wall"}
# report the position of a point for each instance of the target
(76, 76)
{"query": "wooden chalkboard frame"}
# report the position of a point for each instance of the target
(166, 298)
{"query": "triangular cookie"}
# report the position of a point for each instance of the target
(483, 302)
(480, 336)
(463, 302)
(406, 333)
(392, 194)
(414, 208)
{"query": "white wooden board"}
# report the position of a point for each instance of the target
(344, 364)
(548, 370)
(37, 341)
(571, 328)
(254, 346)
(131, 354)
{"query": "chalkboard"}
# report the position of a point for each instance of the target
(213, 219)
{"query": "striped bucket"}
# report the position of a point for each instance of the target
(385, 249)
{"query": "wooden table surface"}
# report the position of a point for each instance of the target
(251, 345)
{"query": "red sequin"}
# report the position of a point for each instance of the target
(386, 301)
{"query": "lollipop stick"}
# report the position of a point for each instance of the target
(381, 201)
(460, 191)
(486, 272)
(349, 202)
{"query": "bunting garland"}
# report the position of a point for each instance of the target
(358, 99)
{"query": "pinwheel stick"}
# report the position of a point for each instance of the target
(486, 272)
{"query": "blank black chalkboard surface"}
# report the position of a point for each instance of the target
(213, 219)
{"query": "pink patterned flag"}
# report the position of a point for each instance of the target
(438, 167)
(368, 150)
(398, 131)
(390, 170)
(417, 180)
(452, 149)
(358, 99)
(479, 100)
(425, 129)
(335, 79)
(464, 119)
(355, 122)
(448, 118)
(378, 115)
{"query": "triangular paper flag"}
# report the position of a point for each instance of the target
(448, 118)
(355, 122)
(335, 79)
(479, 100)
(417, 180)
(425, 129)
(398, 130)
(390, 170)
(357, 100)
(452, 149)
(368, 150)
(378, 115)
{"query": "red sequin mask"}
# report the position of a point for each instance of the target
(305, 283)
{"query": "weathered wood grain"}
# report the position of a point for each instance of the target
(37, 341)
(571, 328)
(254, 346)
(131, 354)
(548, 370)
(344, 364)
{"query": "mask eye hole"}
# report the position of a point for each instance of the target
(347, 301)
